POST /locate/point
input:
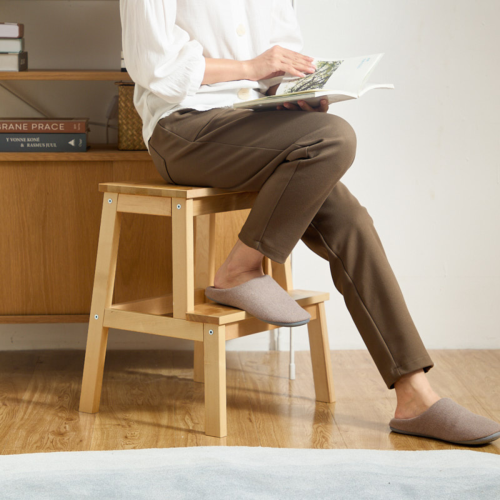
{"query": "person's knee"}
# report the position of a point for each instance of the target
(342, 138)
(330, 138)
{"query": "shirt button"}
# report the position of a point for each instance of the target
(240, 30)
(244, 94)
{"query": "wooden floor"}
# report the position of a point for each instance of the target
(149, 400)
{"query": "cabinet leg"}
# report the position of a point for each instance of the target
(102, 294)
(215, 380)
(320, 356)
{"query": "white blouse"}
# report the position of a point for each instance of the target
(165, 43)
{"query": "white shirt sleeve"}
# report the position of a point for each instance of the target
(158, 54)
(285, 32)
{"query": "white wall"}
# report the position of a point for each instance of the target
(428, 161)
(427, 166)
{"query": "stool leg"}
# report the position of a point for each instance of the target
(215, 380)
(267, 266)
(199, 362)
(282, 273)
(204, 276)
(104, 280)
(320, 356)
(183, 256)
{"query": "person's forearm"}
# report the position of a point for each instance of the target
(224, 70)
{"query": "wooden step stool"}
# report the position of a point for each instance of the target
(187, 313)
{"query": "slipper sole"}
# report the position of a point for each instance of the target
(446, 420)
(483, 440)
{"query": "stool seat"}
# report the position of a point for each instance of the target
(156, 187)
(187, 313)
(155, 197)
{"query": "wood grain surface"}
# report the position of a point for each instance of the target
(149, 400)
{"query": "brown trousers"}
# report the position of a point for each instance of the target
(295, 159)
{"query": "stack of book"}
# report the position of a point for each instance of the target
(43, 135)
(13, 57)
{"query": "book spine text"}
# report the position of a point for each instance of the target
(30, 143)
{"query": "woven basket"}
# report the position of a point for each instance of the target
(129, 121)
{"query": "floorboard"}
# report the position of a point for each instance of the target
(149, 400)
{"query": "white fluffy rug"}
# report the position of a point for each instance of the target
(242, 472)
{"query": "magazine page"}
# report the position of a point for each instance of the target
(372, 86)
(348, 74)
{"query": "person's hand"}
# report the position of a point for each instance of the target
(277, 61)
(322, 108)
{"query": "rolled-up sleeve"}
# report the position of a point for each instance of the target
(159, 55)
(285, 32)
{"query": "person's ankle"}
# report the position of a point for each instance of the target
(227, 277)
(414, 395)
(412, 402)
(415, 407)
(232, 268)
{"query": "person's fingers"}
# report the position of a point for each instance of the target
(324, 105)
(289, 105)
(296, 64)
(305, 106)
(300, 64)
(279, 60)
(322, 108)
(295, 71)
(296, 56)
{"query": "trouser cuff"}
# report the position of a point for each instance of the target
(423, 362)
(273, 253)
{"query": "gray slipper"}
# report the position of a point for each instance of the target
(263, 298)
(448, 421)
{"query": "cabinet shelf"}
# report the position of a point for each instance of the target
(65, 75)
(97, 152)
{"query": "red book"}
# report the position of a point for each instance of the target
(44, 125)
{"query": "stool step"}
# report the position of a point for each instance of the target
(158, 321)
(218, 314)
(210, 312)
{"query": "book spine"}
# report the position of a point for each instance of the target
(19, 59)
(11, 45)
(11, 30)
(23, 61)
(43, 143)
(20, 126)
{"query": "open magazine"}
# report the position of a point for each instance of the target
(337, 80)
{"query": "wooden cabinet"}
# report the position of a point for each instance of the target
(50, 211)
